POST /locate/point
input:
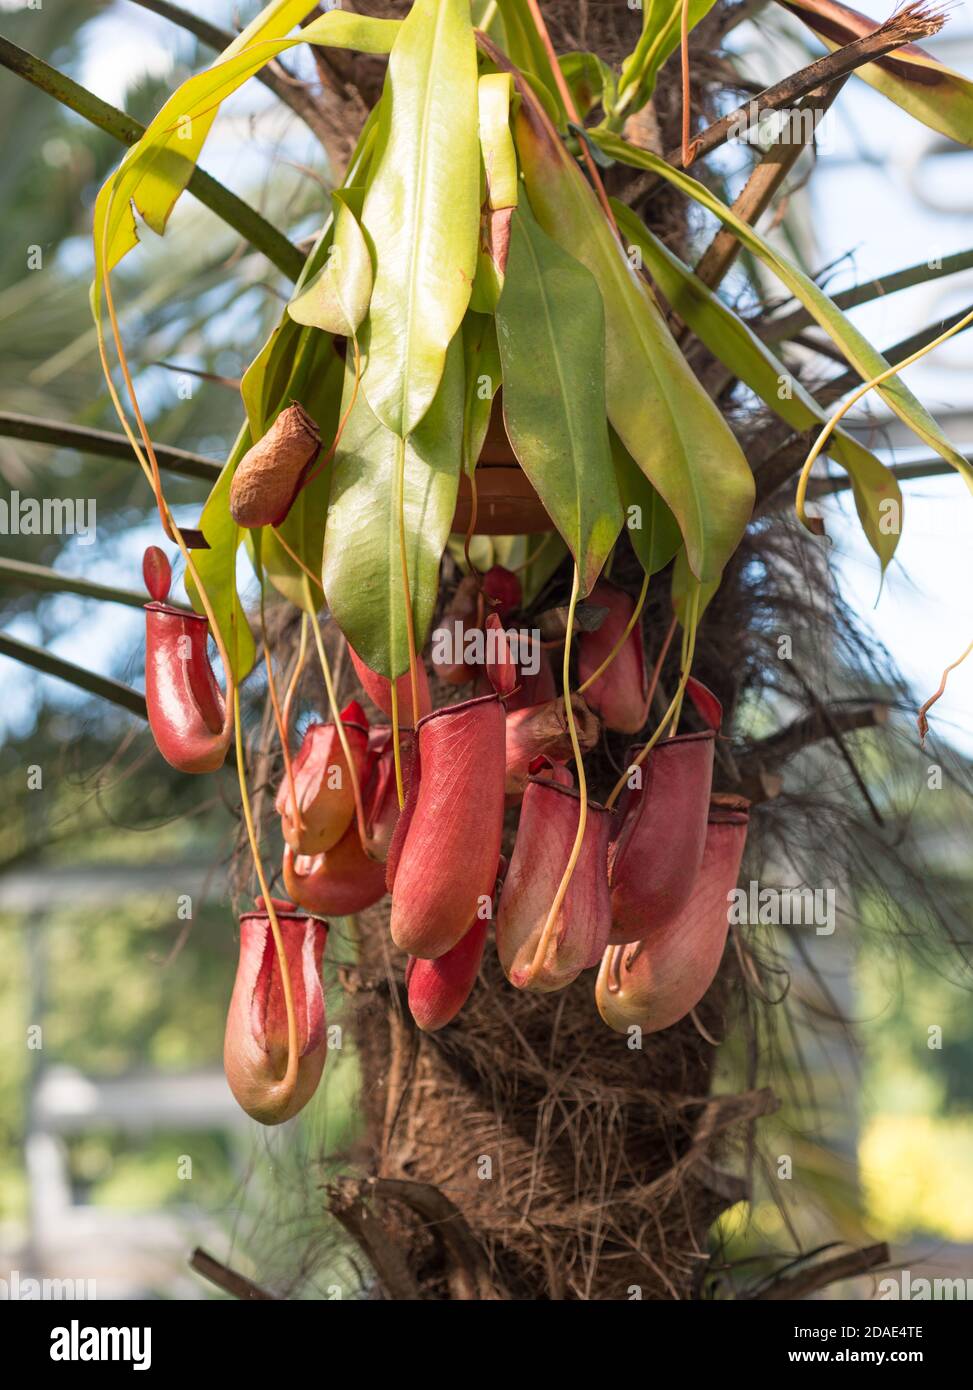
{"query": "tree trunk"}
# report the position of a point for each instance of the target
(583, 1167)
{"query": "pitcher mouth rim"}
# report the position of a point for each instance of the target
(460, 704)
(678, 740)
(572, 792)
(295, 914)
(158, 606)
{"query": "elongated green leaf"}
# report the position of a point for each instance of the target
(525, 49)
(551, 330)
(661, 413)
(934, 94)
(661, 27)
(362, 569)
(336, 299)
(877, 494)
(863, 357)
(265, 380)
(481, 364)
(217, 567)
(496, 143)
(155, 171)
(422, 211)
(651, 526)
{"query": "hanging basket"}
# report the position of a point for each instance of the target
(507, 504)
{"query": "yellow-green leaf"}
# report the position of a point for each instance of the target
(481, 363)
(934, 94)
(651, 526)
(217, 567)
(421, 212)
(362, 569)
(336, 299)
(525, 49)
(877, 494)
(683, 585)
(551, 330)
(661, 25)
(863, 357)
(663, 416)
(496, 142)
(156, 170)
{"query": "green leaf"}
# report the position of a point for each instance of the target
(735, 344)
(481, 362)
(551, 330)
(336, 299)
(265, 380)
(217, 568)
(590, 81)
(661, 27)
(525, 49)
(156, 170)
(320, 393)
(651, 526)
(863, 357)
(684, 582)
(422, 210)
(362, 567)
(496, 143)
(663, 416)
(934, 94)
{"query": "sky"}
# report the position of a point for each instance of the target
(884, 196)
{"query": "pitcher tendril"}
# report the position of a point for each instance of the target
(675, 704)
(620, 643)
(853, 399)
(921, 718)
(545, 936)
(285, 1088)
(336, 715)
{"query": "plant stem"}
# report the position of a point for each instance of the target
(237, 214)
(882, 285)
(50, 665)
(227, 1279)
(902, 28)
(565, 92)
(53, 581)
(763, 183)
(104, 443)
